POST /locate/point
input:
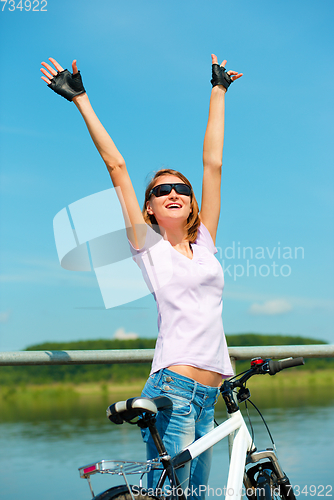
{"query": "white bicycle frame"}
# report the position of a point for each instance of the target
(242, 443)
(242, 453)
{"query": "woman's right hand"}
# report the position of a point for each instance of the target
(111, 156)
(62, 81)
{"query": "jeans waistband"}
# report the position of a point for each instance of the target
(186, 382)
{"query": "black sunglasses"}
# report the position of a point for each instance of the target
(165, 189)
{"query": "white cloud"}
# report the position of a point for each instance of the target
(271, 307)
(121, 334)
(241, 294)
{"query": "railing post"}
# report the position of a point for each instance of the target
(233, 363)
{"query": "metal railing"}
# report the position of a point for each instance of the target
(17, 358)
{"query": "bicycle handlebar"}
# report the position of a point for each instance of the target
(277, 366)
(259, 366)
(263, 366)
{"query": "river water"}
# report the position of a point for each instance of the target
(42, 448)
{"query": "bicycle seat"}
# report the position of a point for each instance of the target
(125, 411)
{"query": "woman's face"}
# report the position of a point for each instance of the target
(172, 209)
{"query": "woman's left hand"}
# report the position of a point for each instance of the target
(233, 74)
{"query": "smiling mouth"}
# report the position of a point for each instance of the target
(173, 205)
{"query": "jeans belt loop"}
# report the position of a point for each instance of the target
(159, 376)
(194, 390)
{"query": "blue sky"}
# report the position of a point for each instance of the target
(146, 66)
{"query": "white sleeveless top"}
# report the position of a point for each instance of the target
(188, 294)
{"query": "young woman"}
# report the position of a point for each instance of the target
(191, 356)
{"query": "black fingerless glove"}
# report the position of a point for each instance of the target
(67, 85)
(220, 76)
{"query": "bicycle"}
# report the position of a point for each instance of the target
(257, 474)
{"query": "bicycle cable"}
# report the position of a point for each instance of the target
(265, 423)
(238, 375)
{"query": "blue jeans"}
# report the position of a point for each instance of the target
(190, 418)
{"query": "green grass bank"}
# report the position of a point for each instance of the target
(62, 400)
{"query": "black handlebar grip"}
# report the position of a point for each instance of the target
(277, 366)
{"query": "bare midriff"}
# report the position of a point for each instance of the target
(205, 377)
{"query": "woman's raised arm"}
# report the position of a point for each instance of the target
(213, 146)
(70, 86)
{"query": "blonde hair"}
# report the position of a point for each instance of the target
(193, 221)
